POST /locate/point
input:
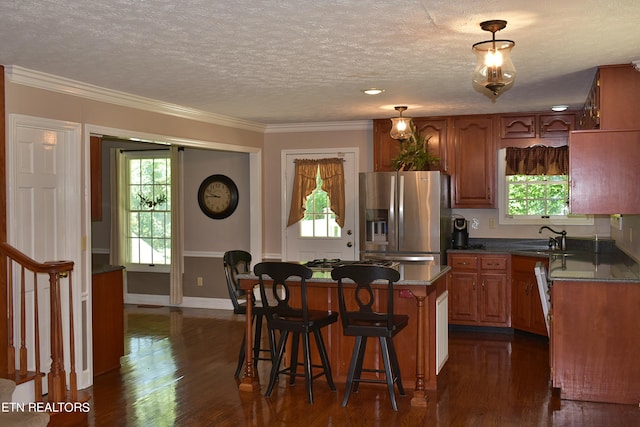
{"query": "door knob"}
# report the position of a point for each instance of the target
(349, 244)
(349, 232)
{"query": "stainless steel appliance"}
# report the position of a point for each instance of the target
(460, 235)
(404, 216)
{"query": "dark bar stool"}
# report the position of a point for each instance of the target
(236, 262)
(299, 321)
(365, 322)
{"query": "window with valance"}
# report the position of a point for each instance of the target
(331, 172)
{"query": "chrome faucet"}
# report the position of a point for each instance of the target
(556, 242)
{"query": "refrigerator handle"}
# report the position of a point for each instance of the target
(400, 210)
(392, 196)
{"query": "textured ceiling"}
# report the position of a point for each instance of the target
(278, 61)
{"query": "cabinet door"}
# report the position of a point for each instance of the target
(521, 288)
(516, 127)
(603, 169)
(474, 165)
(437, 132)
(492, 299)
(556, 125)
(463, 306)
(385, 148)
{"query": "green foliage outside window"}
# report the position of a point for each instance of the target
(149, 226)
(319, 220)
(537, 195)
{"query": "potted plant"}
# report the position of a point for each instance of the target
(414, 154)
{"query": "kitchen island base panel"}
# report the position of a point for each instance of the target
(416, 347)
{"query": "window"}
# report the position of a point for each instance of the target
(537, 195)
(535, 199)
(146, 179)
(319, 220)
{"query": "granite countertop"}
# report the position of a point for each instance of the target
(410, 274)
(606, 267)
(578, 262)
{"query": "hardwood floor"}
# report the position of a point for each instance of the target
(179, 364)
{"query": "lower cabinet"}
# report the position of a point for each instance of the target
(526, 309)
(108, 320)
(478, 290)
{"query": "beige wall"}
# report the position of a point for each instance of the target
(628, 239)
(41, 103)
(274, 143)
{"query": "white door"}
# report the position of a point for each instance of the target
(44, 218)
(297, 247)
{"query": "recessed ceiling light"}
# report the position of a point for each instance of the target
(559, 107)
(373, 91)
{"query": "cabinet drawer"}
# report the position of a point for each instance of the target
(493, 263)
(464, 262)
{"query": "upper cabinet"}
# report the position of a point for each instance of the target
(613, 102)
(385, 148)
(474, 159)
(523, 130)
(466, 147)
(603, 168)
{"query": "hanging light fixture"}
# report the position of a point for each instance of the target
(494, 70)
(401, 126)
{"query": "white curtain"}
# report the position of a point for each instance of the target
(177, 227)
(116, 252)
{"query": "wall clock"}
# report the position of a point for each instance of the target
(218, 196)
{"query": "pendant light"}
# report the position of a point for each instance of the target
(494, 70)
(401, 126)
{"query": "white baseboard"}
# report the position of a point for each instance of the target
(188, 302)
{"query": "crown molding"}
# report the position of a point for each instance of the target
(320, 127)
(23, 76)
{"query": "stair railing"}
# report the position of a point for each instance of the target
(15, 268)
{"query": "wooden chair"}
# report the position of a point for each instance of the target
(236, 262)
(297, 320)
(363, 322)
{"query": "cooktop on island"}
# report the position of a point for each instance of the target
(325, 263)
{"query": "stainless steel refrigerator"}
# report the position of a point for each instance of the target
(405, 216)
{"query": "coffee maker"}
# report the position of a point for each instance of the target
(460, 235)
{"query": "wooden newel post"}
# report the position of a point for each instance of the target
(57, 375)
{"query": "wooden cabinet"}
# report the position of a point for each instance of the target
(614, 99)
(107, 320)
(594, 336)
(526, 308)
(478, 291)
(386, 148)
(474, 162)
(603, 168)
(523, 130)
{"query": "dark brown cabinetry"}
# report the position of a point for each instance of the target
(474, 159)
(594, 337)
(386, 148)
(603, 167)
(478, 291)
(526, 308)
(107, 319)
(523, 130)
(614, 99)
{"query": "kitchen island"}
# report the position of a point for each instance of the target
(594, 341)
(422, 347)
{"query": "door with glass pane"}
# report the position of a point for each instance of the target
(317, 235)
